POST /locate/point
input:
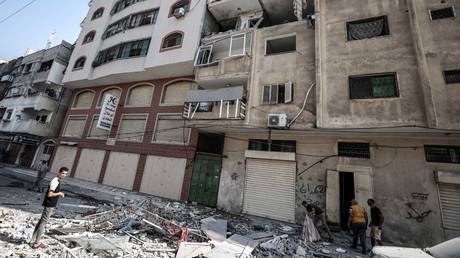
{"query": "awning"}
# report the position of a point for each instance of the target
(230, 93)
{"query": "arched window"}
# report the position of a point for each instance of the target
(98, 13)
(174, 93)
(172, 41)
(80, 63)
(174, 10)
(83, 99)
(89, 37)
(112, 91)
(140, 96)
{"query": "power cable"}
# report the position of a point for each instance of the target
(2, 2)
(16, 12)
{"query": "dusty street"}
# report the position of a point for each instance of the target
(115, 223)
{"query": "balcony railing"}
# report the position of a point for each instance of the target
(225, 103)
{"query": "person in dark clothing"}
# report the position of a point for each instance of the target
(42, 169)
(318, 215)
(376, 223)
(51, 199)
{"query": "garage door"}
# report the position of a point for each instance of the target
(449, 195)
(270, 189)
(90, 164)
(65, 156)
(121, 170)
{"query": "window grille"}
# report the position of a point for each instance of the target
(452, 76)
(442, 13)
(373, 86)
(367, 28)
(443, 154)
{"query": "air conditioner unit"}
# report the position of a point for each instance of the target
(179, 12)
(277, 120)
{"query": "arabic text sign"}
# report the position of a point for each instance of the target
(107, 115)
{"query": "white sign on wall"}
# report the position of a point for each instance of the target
(107, 115)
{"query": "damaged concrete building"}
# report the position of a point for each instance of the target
(255, 106)
(33, 105)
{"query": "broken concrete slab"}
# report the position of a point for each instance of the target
(190, 250)
(235, 246)
(260, 235)
(215, 229)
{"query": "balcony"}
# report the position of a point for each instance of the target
(226, 103)
(37, 101)
(223, 59)
(26, 126)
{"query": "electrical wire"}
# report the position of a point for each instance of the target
(2, 2)
(18, 11)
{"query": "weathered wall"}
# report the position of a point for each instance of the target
(297, 66)
(438, 49)
(400, 177)
(337, 59)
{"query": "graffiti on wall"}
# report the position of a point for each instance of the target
(416, 207)
(416, 214)
(311, 191)
(420, 196)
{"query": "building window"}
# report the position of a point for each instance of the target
(121, 51)
(443, 154)
(277, 93)
(80, 63)
(131, 21)
(140, 96)
(367, 28)
(452, 76)
(122, 4)
(89, 37)
(112, 91)
(280, 45)
(174, 94)
(443, 13)
(170, 129)
(132, 127)
(48, 149)
(179, 8)
(8, 115)
(276, 145)
(98, 13)
(75, 126)
(354, 149)
(96, 132)
(373, 86)
(41, 119)
(27, 68)
(45, 66)
(172, 41)
(83, 99)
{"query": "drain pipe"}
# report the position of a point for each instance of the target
(303, 106)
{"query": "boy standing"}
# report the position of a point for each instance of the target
(376, 223)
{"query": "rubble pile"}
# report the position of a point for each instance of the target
(157, 228)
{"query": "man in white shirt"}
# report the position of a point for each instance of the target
(49, 203)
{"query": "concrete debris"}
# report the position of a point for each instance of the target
(190, 250)
(235, 246)
(215, 229)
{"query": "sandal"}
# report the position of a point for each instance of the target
(39, 245)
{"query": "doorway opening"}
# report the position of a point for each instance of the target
(347, 193)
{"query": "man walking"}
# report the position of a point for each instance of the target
(51, 199)
(376, 223)
(318, 215)
(42, 169)
(357, 221)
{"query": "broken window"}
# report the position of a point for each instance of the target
(98, 13)
(452, 76)
(8, 114)
(172, 40)
(280, 45)
(203, 56)
(368, 28)
(28, 68)
(354, 149)
(373, 86)
(277, 93)
(170, 129)
(443, 13)
(132, 127)
(179, 8)
(443, 154)
(237, 45)
(89, 37)
(80, 63)
(276, 145)
(75, 126)
(45, 66)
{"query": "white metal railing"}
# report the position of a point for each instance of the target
(227, 109)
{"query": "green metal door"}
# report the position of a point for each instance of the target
(204, 187)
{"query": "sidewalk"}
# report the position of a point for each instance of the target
(82, 187)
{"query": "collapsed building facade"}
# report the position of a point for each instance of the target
(257, 106)
(33, 105)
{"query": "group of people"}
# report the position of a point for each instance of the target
(358, 222)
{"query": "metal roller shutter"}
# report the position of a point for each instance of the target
(449, 196)
(270, 189)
